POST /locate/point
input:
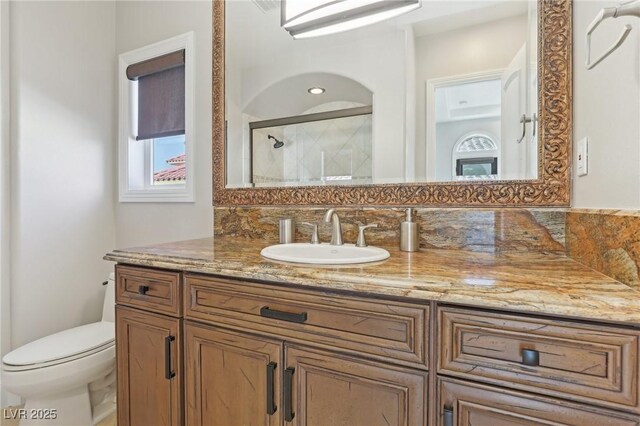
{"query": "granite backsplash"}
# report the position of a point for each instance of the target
(488, 230)
(605, 240)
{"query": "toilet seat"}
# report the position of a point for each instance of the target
(61, 347)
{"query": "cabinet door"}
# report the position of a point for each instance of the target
(465, 404)
(149, 368)
(323, 388)
(232, 378)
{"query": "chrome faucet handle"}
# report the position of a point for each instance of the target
(315, 239)
(361, 228)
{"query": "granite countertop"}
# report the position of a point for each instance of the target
(539, 283)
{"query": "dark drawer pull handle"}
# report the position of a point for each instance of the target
(288, 394)
(448, 416)
(284, 316)
(271, 405)
(143, 289)
(530, 357)
(168, 372)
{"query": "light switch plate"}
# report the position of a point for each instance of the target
(583, 157)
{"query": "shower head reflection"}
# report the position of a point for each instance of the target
(278, 144)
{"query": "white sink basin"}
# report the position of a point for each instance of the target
(324, 254)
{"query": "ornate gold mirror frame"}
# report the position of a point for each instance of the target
(552, 188)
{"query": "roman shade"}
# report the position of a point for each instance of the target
(160, 95)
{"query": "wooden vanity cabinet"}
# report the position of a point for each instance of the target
(232, 378)
(237, 378)
(149, 363)
(335, 360)
(149, 347)
(324, 388)
(260, 354)
(387, 330)
(594, 364)
(469, 404)
(149, 289)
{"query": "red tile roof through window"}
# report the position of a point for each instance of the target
(174, 174)
(180, 159)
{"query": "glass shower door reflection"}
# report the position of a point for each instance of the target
(329, 151)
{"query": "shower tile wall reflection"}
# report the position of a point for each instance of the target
(334, 151)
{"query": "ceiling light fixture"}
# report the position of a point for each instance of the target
(314, 18)
(316, 90)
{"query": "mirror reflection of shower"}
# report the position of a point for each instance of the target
(312, 139)
(278, 144)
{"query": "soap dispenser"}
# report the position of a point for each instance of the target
(409, 240)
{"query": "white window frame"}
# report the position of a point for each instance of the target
(127, 125)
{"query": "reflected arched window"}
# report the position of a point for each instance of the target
(475, 157)
(476, 143)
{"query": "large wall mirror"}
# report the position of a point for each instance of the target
(451, 103)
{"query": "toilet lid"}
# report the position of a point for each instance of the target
(62, 345)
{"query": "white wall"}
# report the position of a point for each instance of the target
(5, 189)
(139, 23)
(62, 152)
(411, 92)
(62, 174)
(607, 110)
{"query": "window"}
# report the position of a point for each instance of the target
(169, 161)
(156, 122)
(475, 157)
(474, 167)
(476, 143)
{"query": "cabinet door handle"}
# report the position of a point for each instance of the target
(143, 289)
(288, 396)
(284, 316)
(168, 372)
(448, 416)
(271, 406)
(530, 357)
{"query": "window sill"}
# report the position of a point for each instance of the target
(157, 196)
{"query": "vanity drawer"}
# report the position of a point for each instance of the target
(150, 289)
(380, 329)
(463, 403)
(592, 363)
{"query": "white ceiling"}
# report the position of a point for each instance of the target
(468, 101)
(254, 37)
(437, 16)
(290, 97)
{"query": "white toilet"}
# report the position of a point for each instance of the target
(71, 372)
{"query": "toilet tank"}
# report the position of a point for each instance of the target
(109, 306)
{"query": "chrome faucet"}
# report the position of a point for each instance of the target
(336, 229)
